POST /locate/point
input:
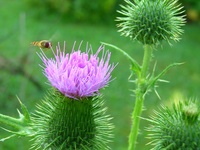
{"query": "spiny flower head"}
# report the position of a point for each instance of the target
(151, 21)
(78, 74)
(178, 128)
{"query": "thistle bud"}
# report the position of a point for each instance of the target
(176, 129)
(64, 123)
(151, 21)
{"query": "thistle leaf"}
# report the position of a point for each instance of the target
(134, 65)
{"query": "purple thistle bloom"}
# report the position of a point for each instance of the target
(78, 74)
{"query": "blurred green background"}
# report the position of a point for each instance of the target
(25, 21)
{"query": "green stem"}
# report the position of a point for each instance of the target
(146, 60)
(140, 94)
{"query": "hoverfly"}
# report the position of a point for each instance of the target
(42, 44)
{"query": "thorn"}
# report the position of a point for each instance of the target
(130, 76)
(8, 130)
(2, 140)
(157, 94)
(132, 81)
(154, 68)
(19, 100)
(162, 80)
(148, 76)
(20, 114)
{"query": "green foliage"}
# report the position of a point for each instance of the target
(97, 11)
(191, 4)
(19, 126)
(192, 9)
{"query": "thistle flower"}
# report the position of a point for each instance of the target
(176, 129)
(73, 116)
(78, 74)
(151, 21)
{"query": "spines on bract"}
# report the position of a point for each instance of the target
(67, 124)
(173, 129)
(151, 21)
